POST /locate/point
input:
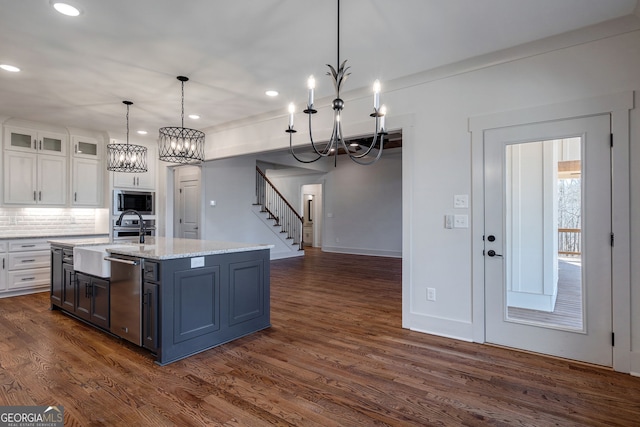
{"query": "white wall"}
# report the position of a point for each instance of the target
(433, 109)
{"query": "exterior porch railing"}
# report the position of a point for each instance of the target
(569, 241)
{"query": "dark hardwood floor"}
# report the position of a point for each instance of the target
(335, 355)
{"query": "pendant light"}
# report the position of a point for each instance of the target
(127, 157)
(361, 154)
(180, 144)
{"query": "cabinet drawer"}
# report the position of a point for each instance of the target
(29, 260)
(38, 277)
(150, 271)
(29, 245)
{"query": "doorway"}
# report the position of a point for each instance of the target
(187, 200)
(539, 296)
(312, 215)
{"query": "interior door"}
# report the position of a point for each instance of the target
(547, 238)
(190, 209)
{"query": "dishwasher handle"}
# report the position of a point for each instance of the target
(120, 260)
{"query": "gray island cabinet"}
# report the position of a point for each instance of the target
(194, 294)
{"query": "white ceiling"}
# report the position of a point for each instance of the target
(76, 71)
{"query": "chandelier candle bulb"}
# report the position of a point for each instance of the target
(376, 94)
(292, 109)
(311, 84)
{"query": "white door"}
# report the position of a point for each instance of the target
(189, 221)
(547, 238)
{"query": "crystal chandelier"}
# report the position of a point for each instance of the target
(126, 157)
(180, 144)
(369, 153)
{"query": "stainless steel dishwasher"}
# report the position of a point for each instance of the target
(126, 297)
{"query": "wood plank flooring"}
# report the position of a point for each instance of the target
(336, 355)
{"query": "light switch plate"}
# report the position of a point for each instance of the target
(461, 201)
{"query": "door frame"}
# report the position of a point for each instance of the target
(618, 106)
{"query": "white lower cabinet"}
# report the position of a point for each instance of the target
(26, 266)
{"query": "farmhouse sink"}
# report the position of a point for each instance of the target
(90, 259)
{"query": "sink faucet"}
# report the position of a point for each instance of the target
(142, 226)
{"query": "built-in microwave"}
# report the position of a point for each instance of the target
(141, 201)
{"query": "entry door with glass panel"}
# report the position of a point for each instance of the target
(548, 238)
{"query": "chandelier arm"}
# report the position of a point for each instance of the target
(324, 153)
(294, 154)
(373, 144)
(371, 147)
(363, 163)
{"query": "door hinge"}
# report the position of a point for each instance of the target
(613, 339)
(612, 239)
(610, 140)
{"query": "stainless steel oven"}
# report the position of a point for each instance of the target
(129, 229)
(141, 201)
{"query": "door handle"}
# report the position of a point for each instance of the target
(122, 261)
(195, 228)
(493, 253)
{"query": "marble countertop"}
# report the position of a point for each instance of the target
(77, 241)
(161, 248)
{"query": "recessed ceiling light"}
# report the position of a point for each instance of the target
(66, 9)
(194, 116)
(271, 93)
(142, 132)
(10, 68)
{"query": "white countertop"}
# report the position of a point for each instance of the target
(87, 241)
(161, 248)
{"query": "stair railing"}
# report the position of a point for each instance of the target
(278, 208)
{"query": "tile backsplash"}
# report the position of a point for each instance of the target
(25, 222)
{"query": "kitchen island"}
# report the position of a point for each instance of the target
(192, 295)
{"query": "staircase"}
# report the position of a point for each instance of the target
(278, 210)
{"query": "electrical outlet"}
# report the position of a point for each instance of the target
(431, 294)
(461, 221)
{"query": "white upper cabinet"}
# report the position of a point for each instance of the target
(32, 179)
(32, 141)
(86, 147)
(87, 182)
(87, 171)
